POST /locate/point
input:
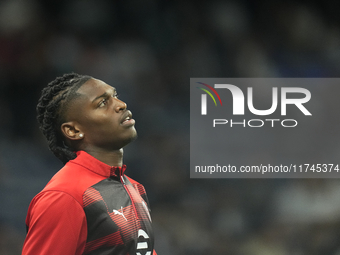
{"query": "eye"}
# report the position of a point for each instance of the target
(115, 95)
(102, 103)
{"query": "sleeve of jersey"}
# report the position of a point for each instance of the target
(56, 225)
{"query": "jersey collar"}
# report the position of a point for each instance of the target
(91, 163)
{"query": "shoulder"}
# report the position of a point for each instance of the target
(53, 198)
(52, 204)
(71, 180)
(63, 183)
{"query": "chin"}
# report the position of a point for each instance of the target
(129, 139)
(133, 137)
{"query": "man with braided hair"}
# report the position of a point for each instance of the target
(89, 206)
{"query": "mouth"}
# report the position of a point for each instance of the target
(127, 119)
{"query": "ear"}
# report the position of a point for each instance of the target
(72, 131)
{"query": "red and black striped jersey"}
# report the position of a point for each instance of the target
(89, 207)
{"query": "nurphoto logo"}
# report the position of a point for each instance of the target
(238, 104)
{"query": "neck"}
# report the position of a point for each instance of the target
(111, 158)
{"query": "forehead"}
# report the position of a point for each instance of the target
(93, 88)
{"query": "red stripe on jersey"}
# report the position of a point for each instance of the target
(91, 195)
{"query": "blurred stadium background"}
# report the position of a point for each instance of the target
(148, 50)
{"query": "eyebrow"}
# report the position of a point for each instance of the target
(105, 94)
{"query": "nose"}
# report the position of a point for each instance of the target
(120, 105)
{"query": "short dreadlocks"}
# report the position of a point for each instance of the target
(53, 103)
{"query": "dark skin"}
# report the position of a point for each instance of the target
(99, 123)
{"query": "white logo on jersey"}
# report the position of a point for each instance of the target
(120, 213)
(142, 245)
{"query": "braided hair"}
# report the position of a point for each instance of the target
(54, 101)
